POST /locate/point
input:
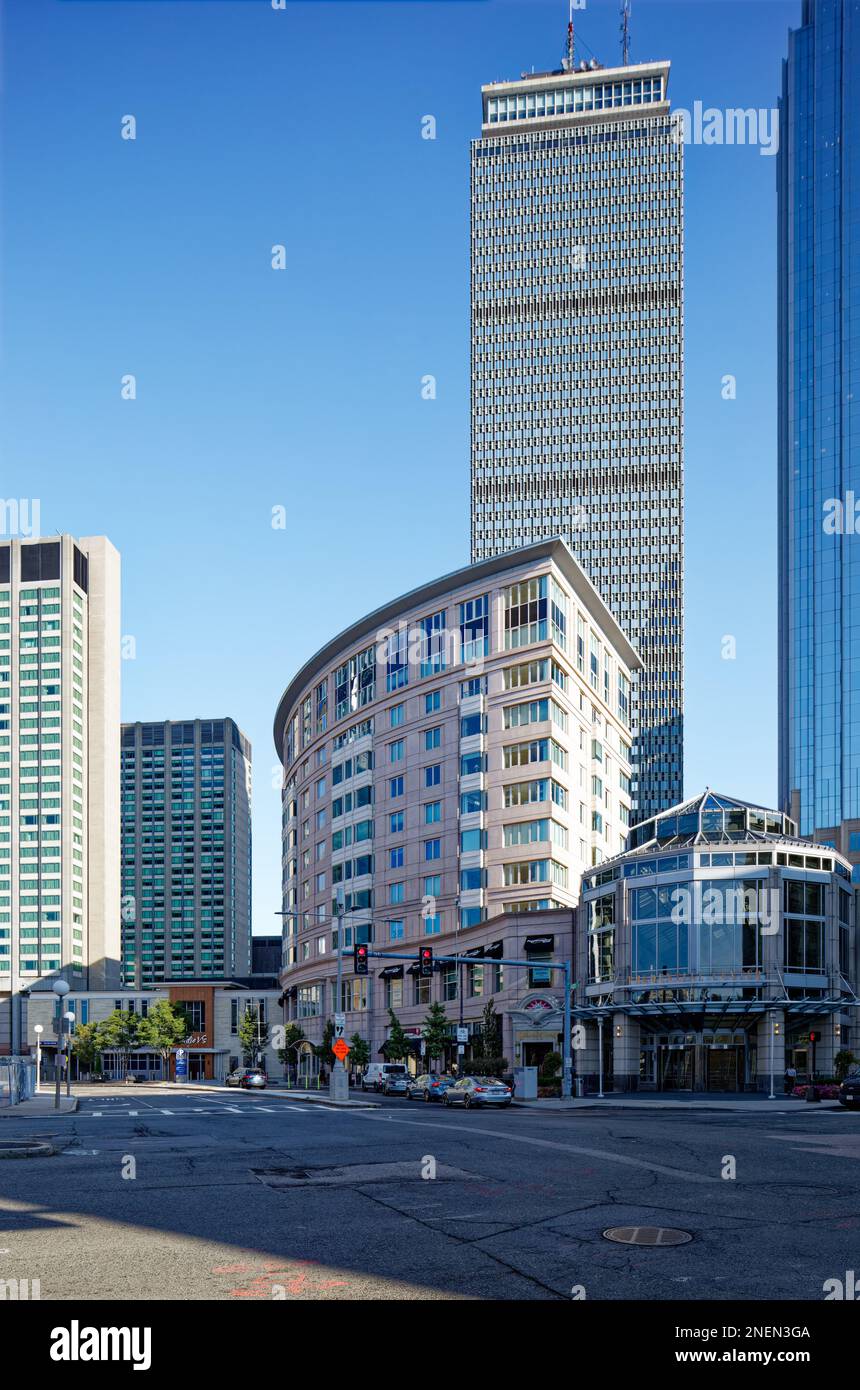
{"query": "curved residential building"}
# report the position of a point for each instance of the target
(459, 754)
(716, 951)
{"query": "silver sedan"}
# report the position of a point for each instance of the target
(478, 1090)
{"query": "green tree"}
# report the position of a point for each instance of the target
(359, 1051)
(435, 1031)
(164, 1028)
(842, 1064)
(323, 1049)
(396, 1047)
(491, 1039)
(119, 1033)
(88, 1045)
(253, 1034)
(289, 1051)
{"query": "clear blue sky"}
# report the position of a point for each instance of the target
(258, 388)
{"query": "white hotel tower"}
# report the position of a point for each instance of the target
(59, 768)
(577, 359)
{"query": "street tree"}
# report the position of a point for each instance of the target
(435, 1031)
(88, 1045)
(396, 1047)
(253, 1034)
(164, 1028)
(119, 1033)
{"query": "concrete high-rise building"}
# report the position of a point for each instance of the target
(59, 767)
(186, 851)
(819, 426)
(460, 754)
(577, 359)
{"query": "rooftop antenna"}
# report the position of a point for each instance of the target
(625, 31)
(567, 62)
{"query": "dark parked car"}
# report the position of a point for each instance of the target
(849, 1091)
(247, 1078)
(478, 1090)
(429, 1087)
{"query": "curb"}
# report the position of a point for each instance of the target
(28, 1148)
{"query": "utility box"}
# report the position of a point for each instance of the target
(525, 1079)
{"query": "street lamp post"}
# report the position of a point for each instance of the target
(38, 1030)
(61, 989)
(772, 1023)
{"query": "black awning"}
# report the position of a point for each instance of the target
(495, 949)
(539, 943)
(414, 969)
(475, 951)
(391, 972)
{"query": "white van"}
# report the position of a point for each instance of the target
(381, 1074)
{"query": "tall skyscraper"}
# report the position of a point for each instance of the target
(59, 767)
(186, 851)
(819, 426)
(577, 359)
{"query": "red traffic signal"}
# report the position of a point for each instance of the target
(425, 961)
(360, 954)
(815, 1037)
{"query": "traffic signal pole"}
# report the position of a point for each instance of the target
(460, 961)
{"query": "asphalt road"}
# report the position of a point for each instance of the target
(240, 1197)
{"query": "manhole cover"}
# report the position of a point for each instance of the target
(647, 1235)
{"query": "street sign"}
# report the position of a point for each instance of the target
(341, 1049)
(460, 1049)
(339, 1024)
(181, 1064)
(462, 1035)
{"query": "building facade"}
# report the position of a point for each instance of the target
(577, 359)
(714, 953)
(186, 851)
(459, 754)
(59, 767)
(214, 1009)
(819, 427)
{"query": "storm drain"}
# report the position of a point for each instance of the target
(355, 1173)
(647, 1235)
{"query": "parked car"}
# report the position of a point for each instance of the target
(478, 1090)
(849, 1091)
(248, 1078)
(429, 1087)
(376, 1075)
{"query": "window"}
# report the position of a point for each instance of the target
(432, 701)
(432, 849)
(432, 644)
(395, 857)
(471, 802)
(474, 628)
(396, 892)
(395, 822)
(471, 879)
(395, 786)
(395, 751)
(433, 775)
(432, 812)
(471, 763)
(396, 931)
(472, 840)
(432, 738)
(472, 724)
(396, 715)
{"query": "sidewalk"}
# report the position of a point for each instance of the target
(754, 1104)
(39, 1105)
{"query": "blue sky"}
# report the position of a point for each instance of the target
(301, 388)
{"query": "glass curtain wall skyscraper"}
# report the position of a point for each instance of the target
(819, 425)
(577, 359)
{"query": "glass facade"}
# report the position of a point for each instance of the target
(577, 360)
(819, 455)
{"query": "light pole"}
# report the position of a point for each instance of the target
(38, 1030)
(61, 989)
(772, 1024)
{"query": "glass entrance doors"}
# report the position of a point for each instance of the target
(677, 1067)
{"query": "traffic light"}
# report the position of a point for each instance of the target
(815, 1037)
(425, 962)
(360, 960)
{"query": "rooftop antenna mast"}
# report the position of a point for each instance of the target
(567, 62)
(625, 31)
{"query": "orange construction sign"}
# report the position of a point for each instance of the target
(340, 1049)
